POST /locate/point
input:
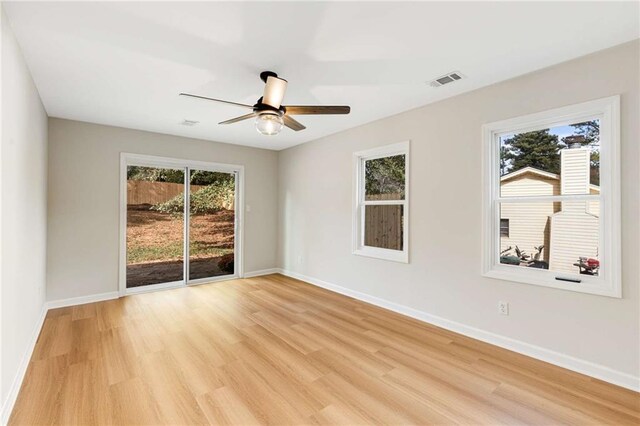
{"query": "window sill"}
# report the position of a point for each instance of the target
(384, 254)
(588, 285)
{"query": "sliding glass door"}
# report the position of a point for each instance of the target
(212, 224)
(181, 222)
(155, 232)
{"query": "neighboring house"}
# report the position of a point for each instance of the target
(552, 224)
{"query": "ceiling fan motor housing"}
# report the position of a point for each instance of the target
(260, 107)
(266, 74)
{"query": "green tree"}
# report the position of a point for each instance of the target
(590, 130)
(385, 175)
(202, 177)
(198, 177)
(155, 174)
(538, 149)
(210, 199)
(504, 163)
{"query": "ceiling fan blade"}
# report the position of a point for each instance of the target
(217, 100)
(292, 124)
(235, 120)
(274, 91)
(317, 109)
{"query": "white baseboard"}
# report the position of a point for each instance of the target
(63, 303)
(565, 361)
(261, 272)
(9, 402)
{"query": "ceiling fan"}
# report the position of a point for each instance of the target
(269, 112)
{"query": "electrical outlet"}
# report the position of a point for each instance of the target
(503, 308)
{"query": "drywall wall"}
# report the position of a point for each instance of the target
(443, 278)
(23, 185)
(83, 209)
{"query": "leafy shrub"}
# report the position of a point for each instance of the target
(210, 199)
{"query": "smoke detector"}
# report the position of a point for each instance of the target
(189, 123)
(446, 79)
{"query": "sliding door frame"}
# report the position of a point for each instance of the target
(128, 159)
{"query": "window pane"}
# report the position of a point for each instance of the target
(559, 236)
(211, 224)
(383, 226)
(155, 225)
(384, 178)
(562, 160)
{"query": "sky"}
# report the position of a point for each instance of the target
(562, 131)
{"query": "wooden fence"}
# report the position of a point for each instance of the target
(148, 192)
(383, 223)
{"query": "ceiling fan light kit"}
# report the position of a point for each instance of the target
(271, 116)
(269, 123)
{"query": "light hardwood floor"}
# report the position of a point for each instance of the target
(274, 350)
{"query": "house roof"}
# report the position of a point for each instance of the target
(532, 170)
(537, 172)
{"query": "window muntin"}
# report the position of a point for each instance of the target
(561, 200)
(381, 208)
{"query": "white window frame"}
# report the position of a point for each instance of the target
(608, 282)
(359, 159)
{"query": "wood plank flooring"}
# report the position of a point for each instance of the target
(274, 350)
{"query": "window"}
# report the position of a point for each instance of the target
(504, 228)
(551, 198)
(381, 213)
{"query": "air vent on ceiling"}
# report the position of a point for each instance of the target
(189, 123)
(446, 79)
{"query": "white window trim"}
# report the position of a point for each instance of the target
(359, 248)
(608, 282)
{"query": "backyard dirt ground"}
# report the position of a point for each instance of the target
(154, 245)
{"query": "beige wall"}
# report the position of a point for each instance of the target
(443, 276)
(84, 164)
(23, 227)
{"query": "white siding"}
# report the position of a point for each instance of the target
(574, 230)
(593, 207)
(529, 226)
(529, 184)
(528, 222)
(573, 235)
(574, 166)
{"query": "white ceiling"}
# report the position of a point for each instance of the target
(124, 64)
